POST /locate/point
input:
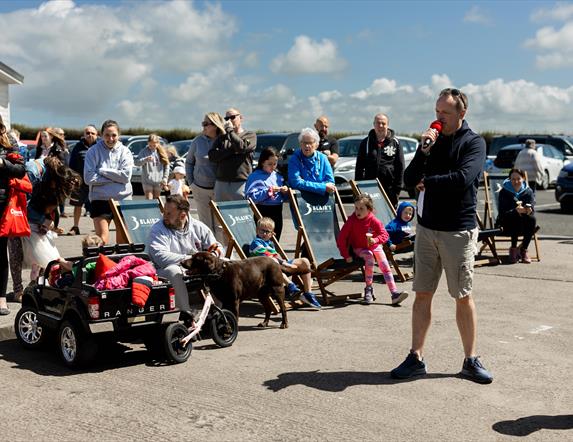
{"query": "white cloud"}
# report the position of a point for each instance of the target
(555, 45)
(561, 11)
(307, 56)
(382, 86)
(477, 15)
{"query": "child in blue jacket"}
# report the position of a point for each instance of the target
(400, 228)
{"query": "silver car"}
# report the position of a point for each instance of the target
(348, 150)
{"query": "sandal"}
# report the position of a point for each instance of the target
(74, 231)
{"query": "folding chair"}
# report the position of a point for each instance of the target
(385, 212)
(492, 187)
(239, 226)
(317, 227)
(134, 219)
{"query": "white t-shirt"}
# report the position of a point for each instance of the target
(176, 186)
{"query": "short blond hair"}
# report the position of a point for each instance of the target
(92, 240)
(266, 222)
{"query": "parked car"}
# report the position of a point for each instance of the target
(135, 143)
(563, 143)
(285, 142)
(564, 188)
(552, 161)
(182, 146)
(348, 150)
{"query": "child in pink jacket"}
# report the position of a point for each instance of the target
(366, 234)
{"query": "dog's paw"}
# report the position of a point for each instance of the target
(263, 324)
(283, 325)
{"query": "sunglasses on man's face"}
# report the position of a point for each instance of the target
(231, 117)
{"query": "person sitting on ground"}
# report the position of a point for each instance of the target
(265, 186)
(400, 228)
(516, 207)
(176, 238)
(364, 234)
(263, 245)
(309, 170)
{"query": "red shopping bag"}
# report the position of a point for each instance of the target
(14, 222)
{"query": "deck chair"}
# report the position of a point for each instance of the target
(316, 222)
(134, 219)
(238, 220)
(492, 187)
(385, 212)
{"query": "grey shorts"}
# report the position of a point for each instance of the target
(453, 252)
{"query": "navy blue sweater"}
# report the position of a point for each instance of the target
(451, 175)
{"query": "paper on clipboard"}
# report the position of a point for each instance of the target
(420, 205)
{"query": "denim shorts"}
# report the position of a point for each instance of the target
(454, 252)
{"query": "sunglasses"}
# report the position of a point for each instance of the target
(206, 123)
(231, 117)
(455, 93)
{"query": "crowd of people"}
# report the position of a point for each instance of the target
(219, 167)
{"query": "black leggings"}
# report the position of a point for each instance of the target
(3, 266)
(514, 225)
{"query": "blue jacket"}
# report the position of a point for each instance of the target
(451, 175)
(398, 229)
(309, 173)
(258, 184)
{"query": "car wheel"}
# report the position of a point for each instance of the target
(224, 328)
(545, 182)
(174, 350)
(77, 348)
(28, 330)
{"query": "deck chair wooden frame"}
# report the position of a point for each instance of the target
(491, 190)
(385, 214)
(124, 228)
(325, 269)
(248, 216)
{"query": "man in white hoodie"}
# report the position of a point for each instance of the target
(176, 238)
(529, 159)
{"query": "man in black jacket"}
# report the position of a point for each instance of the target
(381, 156)
(446, 171)
(77, 158)
(327, 145)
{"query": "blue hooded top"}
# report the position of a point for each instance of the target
(508, 197)
(397, 228)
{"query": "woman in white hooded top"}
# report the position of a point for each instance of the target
(107, 172)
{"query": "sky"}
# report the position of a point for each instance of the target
(164, 64)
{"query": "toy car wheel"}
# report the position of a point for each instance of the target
(76, 347)
(28, 330)
(224, 328)
(174, 350)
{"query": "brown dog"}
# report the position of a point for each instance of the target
(240, 280)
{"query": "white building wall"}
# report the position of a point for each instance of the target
(5, 104)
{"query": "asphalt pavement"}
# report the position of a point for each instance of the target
(326, 377)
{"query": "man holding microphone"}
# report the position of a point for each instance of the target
(446, 171)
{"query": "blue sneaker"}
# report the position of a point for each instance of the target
(309, 299)
(412, 366)
(291, 291)
(474, 370)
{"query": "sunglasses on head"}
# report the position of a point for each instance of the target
(455, 93)
(231, 117)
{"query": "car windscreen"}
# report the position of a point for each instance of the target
(349, 148)
(264, 141)
(182, 147)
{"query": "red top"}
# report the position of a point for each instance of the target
(353, 234)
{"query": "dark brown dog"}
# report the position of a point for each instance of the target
(239, 280)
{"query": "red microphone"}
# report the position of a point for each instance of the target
(437, 126)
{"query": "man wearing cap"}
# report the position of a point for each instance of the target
(232, 152)
(77, 159)
(327, 145)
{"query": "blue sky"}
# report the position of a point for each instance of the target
(283, 63)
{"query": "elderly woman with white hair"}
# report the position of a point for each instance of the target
(309, 170)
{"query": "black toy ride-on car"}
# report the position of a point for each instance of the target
(81, 317)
